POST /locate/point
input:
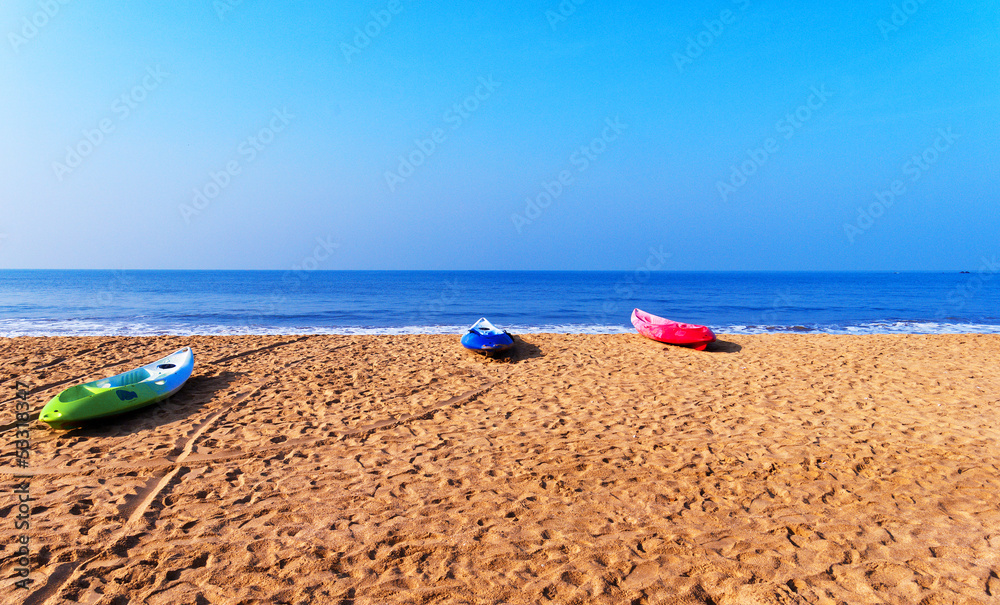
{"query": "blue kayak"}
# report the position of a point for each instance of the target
(484, 337)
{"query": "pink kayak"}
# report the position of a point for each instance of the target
(671, 332)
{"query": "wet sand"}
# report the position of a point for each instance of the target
(583, 469)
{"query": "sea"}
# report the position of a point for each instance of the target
(137, 303)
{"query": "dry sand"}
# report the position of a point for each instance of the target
(585, 469)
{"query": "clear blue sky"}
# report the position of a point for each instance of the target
(737, 134)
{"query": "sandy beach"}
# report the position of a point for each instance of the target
(583, 469)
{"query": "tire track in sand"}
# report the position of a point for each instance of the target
(66, 574)
(226, 455)
(79, 379)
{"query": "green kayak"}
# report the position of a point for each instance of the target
(120, 393)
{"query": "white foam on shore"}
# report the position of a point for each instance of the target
(15, 328)
(50, 327)
(895, 327)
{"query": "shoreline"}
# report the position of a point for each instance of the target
(773, 468)
(900, 328)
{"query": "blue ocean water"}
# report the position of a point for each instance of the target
(430, 302)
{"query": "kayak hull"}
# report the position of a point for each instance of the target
(484, 337)
(672, 332)
(120, 393)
